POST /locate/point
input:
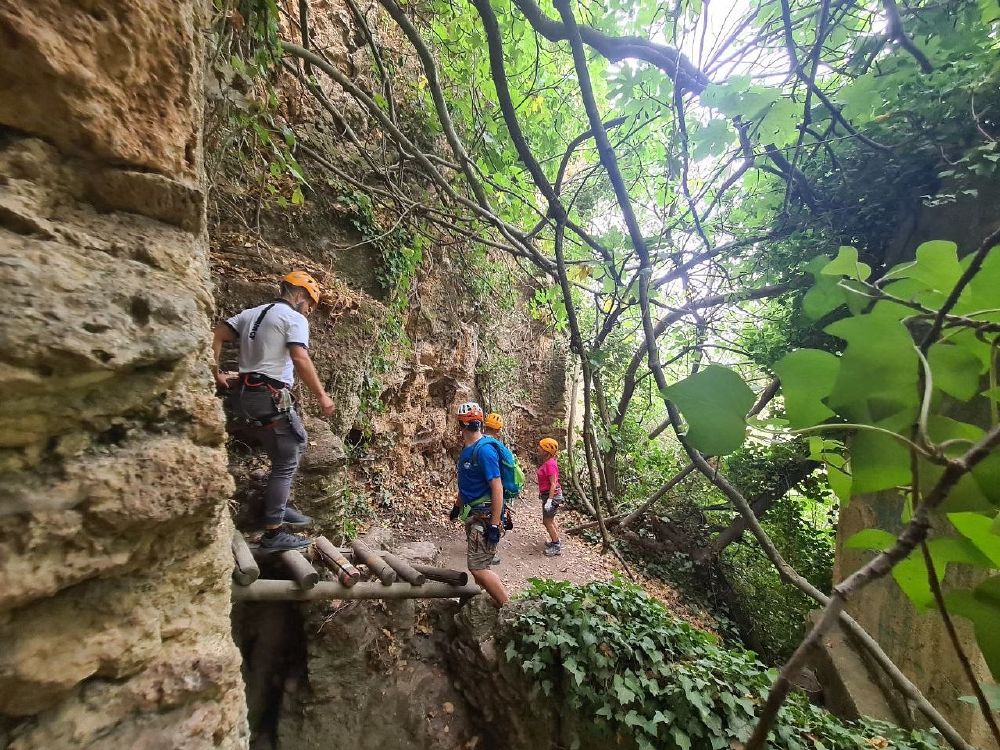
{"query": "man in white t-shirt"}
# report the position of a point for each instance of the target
(274, 347)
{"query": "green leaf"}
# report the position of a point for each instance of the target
(981, 298)
(989, 11)
(871, 539)
(877, 381)
(840, 483)
(979, 529)
(711, 139)
(954, 370)
(714, 402)
(878, 462)
(982, 607)
(847, 264)
(825, 296)
(991, 693)
(910, 575)
(807, 375)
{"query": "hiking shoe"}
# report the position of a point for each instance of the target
(283, 541)
(553, 548)
(293, 518)
(495, 560)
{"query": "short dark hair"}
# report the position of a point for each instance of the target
(286, 289)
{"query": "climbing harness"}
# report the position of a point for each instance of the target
(281, 396)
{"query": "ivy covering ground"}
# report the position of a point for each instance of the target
(618, 655)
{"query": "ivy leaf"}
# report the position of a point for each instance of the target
(954, 370)
(871, 539)
(982, 607)
(877, 381)
(681, 739)
(980, 530)
(711, 139)
(840, 483)
(807, 375)
(825, 295)
(714, 402)
(983, 292)
(911, 573)
(847, 264)
(878, 462)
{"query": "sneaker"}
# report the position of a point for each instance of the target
(553, 548)
(495, 560)
(284, 541)
(293, 518)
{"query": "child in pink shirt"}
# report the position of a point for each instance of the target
(550, 492)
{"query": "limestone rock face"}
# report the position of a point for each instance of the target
(114, 559)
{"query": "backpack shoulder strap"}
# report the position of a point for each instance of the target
(260, 319)
(484, 440)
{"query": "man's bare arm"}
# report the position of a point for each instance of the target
(223, 334)
(306, 371)
(496, 493)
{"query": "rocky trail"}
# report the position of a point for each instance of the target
(424, 519)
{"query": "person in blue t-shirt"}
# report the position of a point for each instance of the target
(480, 502)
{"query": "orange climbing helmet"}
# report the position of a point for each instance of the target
(470, 411)
(549, 445)
(307, 282)
(494, 421)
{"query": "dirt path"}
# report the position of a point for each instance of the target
(521, 549)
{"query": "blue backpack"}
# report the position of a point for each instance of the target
(511, 474)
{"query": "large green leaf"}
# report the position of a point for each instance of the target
(979, 529)
(987, 476)
(840, 483)
(981, 297)
(711, 139)
(847, 264)
(911, 573)
(714, 402)
(955, 370)
(875, 539)
(930, 277)
(878, 462)
(807, 375)
(982, 607)
(878, 377)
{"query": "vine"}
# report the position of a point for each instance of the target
(621, 658)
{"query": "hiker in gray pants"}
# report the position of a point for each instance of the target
(274, 346)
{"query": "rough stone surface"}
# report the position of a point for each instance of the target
(114, 546)
(116, 80)
(434, 677)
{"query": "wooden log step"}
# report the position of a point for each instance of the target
(443, 575)
(245, 568)
(404, 570)
(334, 559)
(430, 572)
(301, 570)
(378, 566)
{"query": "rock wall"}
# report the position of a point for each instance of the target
(114, 546)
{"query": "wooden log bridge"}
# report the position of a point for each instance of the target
(272, 590)
(421, 581)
